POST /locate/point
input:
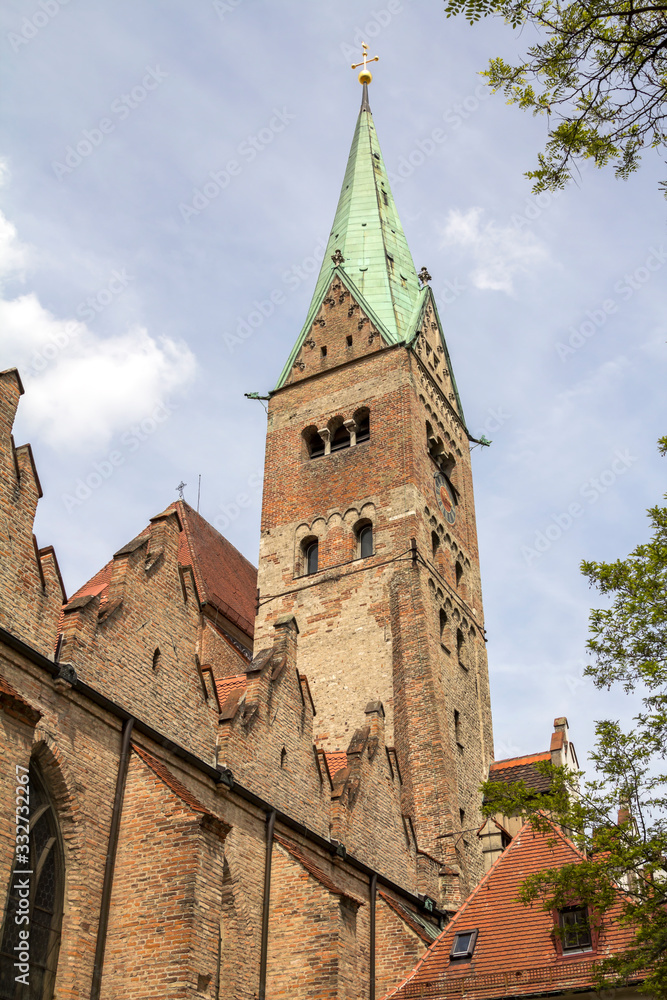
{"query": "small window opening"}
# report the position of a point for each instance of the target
(348, 341)
(435, 542)
(323, 351)
(157, 656)
(316, 446)
(283, 757)
(363, 429)
(459, 573)
(461, 648)
(457, 727)
(385, 198)
(341, 439)
(376, 155)
(575, 929)
(366, 541)
(464, 944)
(443, 626)
(311, 554)
(462, 818)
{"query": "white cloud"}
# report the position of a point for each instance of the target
(500, 253)
(82, 388)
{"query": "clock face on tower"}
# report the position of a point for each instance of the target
(445, 497)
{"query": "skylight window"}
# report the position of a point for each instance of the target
(464, 944)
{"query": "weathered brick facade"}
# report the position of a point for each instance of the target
(262, 796)
(397, 627)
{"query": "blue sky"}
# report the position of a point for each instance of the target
(139, 313)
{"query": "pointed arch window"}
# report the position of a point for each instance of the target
(45, 889)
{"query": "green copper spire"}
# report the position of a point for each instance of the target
(368, 250)
(368, 244)
(368, 233)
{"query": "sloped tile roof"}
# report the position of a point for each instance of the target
(314, 870)
(336, 760)
(230, 691)
(515, 953)
(427, 932)
(224, 578)
(521, 769)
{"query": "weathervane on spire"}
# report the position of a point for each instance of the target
(365, 76)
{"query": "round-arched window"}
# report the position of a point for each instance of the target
(366, 541)
(312, 554)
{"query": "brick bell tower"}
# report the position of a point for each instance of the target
(368, 531)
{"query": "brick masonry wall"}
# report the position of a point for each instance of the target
(150, 607)
(398, 947)
(30, 587)
(165, 906)
(410, 636)
(180, 893)
(313, 939)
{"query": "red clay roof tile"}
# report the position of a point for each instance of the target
(521, 769)
(230, 691)
(515, 952)
(336, 760)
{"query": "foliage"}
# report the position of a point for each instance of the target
(598, 70)
(624, 848)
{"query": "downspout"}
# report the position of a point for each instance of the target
(270, 824)
(112, 846)
(372, 893)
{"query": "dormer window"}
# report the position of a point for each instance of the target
(464, 944)
(575, 929)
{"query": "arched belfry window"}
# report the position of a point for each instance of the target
(363, 421)
(366, 541)
(40, 895)
(314, 442)
(340, 438)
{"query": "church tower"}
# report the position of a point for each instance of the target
(368, 532)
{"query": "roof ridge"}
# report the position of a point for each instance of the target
(528, 758)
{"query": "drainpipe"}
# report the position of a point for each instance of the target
(112, 846)
(372, 892)
(270, 824)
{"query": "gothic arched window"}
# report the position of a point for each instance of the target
(40, 895)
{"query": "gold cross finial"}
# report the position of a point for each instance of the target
(365, 76)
